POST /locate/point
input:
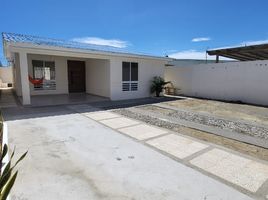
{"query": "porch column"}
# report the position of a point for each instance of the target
(26, 97)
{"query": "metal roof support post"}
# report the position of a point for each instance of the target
(217, 58)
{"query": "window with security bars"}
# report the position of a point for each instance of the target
(45, 70)
(129, 76)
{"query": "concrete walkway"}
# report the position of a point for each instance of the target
(7, 98)
(75, 153)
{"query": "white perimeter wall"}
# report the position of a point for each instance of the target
(147, 69)
(6, 74)
(98, 77)
(233, 81)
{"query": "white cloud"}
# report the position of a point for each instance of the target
(242, 44)
(201, 39)
(254, 42)
(101, 41)
(191, 54)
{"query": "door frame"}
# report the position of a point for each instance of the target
(83, 72)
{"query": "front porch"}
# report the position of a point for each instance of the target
(65, 79)
(64, 99)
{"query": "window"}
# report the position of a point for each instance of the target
(129, 76)
(46, 70)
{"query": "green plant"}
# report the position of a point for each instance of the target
(157, 85)
(7, 178)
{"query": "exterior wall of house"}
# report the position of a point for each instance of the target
(103, 72)
(60, 71)
(98, 77)
(232, 81)
(17, 75)
(147, 69)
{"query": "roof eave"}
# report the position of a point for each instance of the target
(48, 47)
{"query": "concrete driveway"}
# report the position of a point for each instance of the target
(74, 157)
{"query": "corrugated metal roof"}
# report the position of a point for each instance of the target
(42, 41)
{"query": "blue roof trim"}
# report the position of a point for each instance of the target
(42, 41)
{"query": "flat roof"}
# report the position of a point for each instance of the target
(245, 53)
(14, 38)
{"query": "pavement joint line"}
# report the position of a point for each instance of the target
(222, 180)
(164, 153)
(138, 122)
(120, 116)
(100, 119)
(135, 139)
(263, 190)
(155, 137)
(133, 125)
(199, 153)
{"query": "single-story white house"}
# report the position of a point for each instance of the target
(71, 67)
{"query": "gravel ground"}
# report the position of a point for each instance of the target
(147, 119)
(238, 127)
(248, 149)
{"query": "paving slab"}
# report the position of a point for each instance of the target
(246, 173)
(101, 115)
(142, 131)
(119, 122)
(178, 146)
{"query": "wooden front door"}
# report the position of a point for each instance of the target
(76, 76)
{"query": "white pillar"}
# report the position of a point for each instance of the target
(26, 97)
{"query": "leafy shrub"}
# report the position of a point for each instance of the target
(157, 85)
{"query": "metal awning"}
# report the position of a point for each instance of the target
(246, 53)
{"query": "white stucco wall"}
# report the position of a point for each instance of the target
(105, 76)
(61, 74)
(17, 75)
(6, 74)
(98, 77)
(147, 69)
(232, 81)
(181, 78)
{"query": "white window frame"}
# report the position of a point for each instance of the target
(130, 85)
(47, 84)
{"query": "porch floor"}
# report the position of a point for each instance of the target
(62, 99)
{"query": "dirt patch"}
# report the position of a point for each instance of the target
(253, 114)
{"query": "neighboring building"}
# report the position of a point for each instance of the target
(71, 67)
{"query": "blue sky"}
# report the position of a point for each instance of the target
(184, 28)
